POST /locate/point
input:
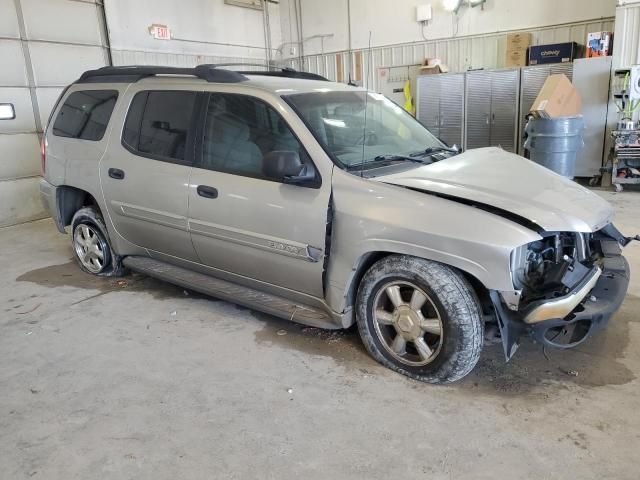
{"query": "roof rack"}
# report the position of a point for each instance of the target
(209, 72)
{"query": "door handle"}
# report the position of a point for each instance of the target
(116, 173)
(207, 192)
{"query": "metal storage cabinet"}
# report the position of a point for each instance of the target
(440, 105)
(532, 80)
(492, 108)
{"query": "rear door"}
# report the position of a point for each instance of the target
(145, 175)
(243, 222)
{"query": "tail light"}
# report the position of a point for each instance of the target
(43, 156)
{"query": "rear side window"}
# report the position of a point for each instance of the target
(85, 114)
(158, 124)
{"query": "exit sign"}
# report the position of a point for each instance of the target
(160, 32)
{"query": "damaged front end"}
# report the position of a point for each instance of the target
(568, 285)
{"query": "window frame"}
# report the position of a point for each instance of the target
(199, 153)
(190, 149)
(61, 102)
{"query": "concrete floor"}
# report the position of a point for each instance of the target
(133, 378)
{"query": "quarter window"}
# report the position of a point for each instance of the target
(158, 124)
(85, 114)
(240, 131)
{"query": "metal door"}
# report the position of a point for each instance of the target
(428, 104)
(532, 80)
(452, 108)
(477, 130)
(591, 77)
(505, 85)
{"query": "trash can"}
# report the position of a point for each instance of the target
(555, 142)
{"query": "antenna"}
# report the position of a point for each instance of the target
(366, 98)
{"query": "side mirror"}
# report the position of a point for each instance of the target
(286, 166)
(7, 111)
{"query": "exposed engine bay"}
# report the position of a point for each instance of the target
(551, 267)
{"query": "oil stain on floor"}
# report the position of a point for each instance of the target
(595, 363)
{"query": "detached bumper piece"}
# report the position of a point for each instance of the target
(609, 287)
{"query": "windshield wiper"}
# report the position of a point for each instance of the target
(433, 151)
(387, 158)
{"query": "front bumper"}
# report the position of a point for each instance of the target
(591, 314)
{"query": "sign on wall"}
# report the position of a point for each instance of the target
(160, 32)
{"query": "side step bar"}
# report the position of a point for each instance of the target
(231, 292)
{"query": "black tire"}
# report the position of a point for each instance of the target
(459, 311)
(92, 218)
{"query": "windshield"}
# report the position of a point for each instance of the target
(337, 119)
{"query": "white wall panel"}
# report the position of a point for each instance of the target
(21, 100)
(20, 156)
(61, 20)
(58, 65)
(47, 97)
(393, 22)
(198, 27)
(8, 19)
(13, 71)
(29, 207)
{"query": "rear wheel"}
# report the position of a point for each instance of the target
(420, 318)
(91, 246)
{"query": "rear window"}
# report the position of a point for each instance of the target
(85, 114)
(158, 123)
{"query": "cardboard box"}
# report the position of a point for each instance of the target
(553, 53)
(516, 58)
(433, 69)
(599, 44)
(518, 41)
(558, 98)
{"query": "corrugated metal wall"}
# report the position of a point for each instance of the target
(459, 54)
(40, 55)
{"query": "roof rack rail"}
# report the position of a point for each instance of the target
(134, 73)
(209, 72)
(273, 71)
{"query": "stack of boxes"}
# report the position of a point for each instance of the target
(517, 46)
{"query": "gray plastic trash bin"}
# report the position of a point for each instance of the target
(554, 142)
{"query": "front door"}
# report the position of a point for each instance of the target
(241, 220)
(145, 179)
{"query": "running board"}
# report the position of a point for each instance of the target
(231, 292)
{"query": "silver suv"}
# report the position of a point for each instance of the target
(328, 205)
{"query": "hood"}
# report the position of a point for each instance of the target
(511, 183)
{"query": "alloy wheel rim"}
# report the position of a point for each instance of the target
(89, 248)
(407, 323)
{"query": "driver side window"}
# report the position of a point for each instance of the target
(240, 131)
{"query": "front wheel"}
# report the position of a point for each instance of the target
(420, 318)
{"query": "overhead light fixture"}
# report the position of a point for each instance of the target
(455, 5)
(451, 5)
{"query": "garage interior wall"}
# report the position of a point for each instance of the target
(39, 58)
(203, 31)
(475, 38)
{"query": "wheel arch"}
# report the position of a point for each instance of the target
(366, 260)
(68, 201)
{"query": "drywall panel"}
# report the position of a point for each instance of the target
(47, 97)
